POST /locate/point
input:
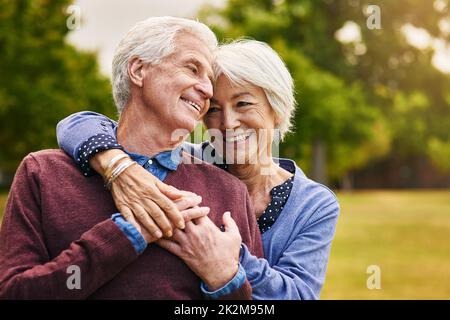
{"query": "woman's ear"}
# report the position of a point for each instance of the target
(136, 71)
(277, 119)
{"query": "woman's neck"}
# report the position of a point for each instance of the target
(259, 181)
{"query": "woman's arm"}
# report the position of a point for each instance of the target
(136, 192)
(300, 271)
(76, 129)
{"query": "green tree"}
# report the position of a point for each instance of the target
(42, 78)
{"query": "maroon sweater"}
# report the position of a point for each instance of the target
(56, 218)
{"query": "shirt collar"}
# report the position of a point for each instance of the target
(168, 159)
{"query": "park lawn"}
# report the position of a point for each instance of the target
(405, 233)
(3, 197)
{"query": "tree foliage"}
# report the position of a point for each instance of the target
(375, 96)
(42, 78)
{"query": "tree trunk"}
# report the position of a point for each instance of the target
(319, 161)
(347, 182)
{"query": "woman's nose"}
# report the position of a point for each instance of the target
(230, 119)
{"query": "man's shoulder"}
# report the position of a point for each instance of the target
(49, 155)
(49, 161)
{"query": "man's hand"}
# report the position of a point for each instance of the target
(212, 254)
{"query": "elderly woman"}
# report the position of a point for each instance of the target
(253, 101)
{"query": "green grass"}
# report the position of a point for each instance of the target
(405, 233)
(3, 197)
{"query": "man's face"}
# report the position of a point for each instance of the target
(177, 91)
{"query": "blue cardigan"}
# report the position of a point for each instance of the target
(297, 246)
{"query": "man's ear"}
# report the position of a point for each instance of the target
(136, 71)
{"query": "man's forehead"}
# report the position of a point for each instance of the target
(190, 44)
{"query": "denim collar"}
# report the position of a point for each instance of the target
(167, 159)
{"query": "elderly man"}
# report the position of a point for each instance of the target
(62, 237)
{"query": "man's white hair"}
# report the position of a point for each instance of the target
(152, 40)
(254, 62)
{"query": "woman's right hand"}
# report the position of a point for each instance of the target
(145, 201)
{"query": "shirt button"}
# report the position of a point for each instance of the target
(149, 162)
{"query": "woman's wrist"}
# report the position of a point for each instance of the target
(100, 161)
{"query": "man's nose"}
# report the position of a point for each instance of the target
(205, 87)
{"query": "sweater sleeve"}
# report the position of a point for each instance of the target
(300, 271)
(253, 245)
(26, 269)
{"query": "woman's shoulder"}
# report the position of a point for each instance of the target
(308, 196)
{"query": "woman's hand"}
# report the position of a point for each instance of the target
(144, 200)
(212, 254)
(188, 214)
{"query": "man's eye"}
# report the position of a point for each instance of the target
(213, 109)
(193, 68)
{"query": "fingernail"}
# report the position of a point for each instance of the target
(169, 233)
(180, 224)
(158, 234)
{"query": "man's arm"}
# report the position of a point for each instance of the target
(252, 242)
(213, 254)
(26, 269)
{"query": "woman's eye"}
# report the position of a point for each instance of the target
(243, 103)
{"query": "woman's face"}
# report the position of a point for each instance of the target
(241, 121)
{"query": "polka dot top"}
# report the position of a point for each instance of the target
(280, 194)
(92, 146)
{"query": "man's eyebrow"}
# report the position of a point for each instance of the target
(202, 65)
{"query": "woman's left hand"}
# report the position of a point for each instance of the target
(212, 254)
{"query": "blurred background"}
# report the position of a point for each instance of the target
(373, 122)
